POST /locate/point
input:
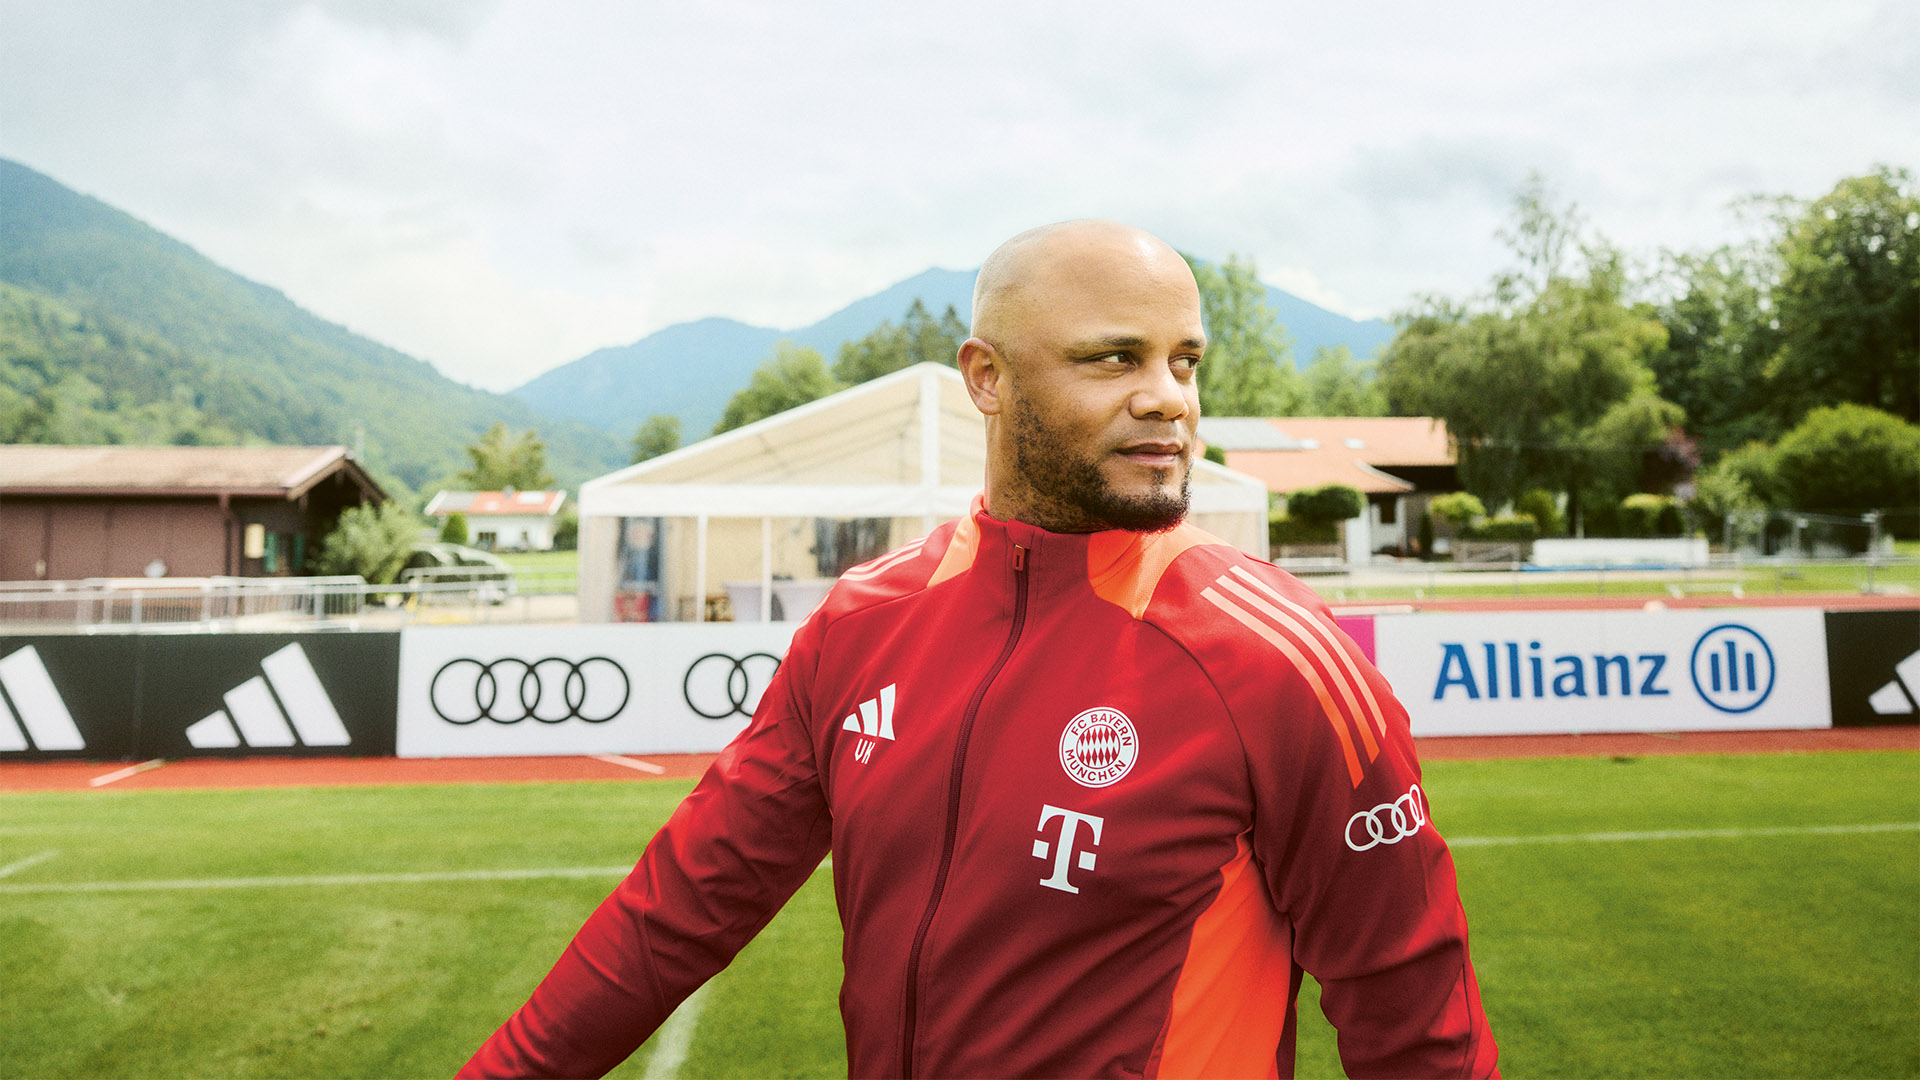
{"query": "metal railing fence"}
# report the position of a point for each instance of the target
(105, 605)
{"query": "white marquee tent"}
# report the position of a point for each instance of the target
(772, 511)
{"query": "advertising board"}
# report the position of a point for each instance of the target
(1514, 673)
(643, 688)
(1873, 663)
(174, 696)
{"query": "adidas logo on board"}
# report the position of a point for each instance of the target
(262, 706)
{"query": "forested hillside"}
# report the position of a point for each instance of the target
(111, 331)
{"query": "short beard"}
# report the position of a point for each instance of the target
(1069, 490)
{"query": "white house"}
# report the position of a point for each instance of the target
(503, 520)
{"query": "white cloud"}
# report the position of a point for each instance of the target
(502, 188)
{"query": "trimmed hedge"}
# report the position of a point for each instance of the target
(1285, 529)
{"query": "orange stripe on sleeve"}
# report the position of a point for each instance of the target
(1352, 713)
(1334, 638)
(1307, 672)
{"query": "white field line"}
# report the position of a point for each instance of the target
(304, 881)
(122, 774)
(1681, 834)
(316, 880)
(676, 1037)
(631, 763)
(21, 864)
(189, 884)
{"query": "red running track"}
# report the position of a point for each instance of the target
(253, 772)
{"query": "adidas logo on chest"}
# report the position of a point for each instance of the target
(872, 721)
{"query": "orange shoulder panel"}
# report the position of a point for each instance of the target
(960, 551)
(1124, 568)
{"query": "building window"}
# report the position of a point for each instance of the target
(1389, 507)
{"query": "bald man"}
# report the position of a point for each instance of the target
(1099, 787)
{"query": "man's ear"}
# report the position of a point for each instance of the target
(984, 371)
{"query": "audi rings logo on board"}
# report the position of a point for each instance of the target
(1388, 823)
(551, 690)
(719, 685)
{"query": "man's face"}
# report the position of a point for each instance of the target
(1102, 401)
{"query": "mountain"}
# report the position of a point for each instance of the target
(689, 370)
(113, 331)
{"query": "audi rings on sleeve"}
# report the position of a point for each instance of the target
(1388, 823)
(717, 685)
(551, 690)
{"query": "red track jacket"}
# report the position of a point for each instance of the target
(1095, 802)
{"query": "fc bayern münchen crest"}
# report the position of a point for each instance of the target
(1098, 747)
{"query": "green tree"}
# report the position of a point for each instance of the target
(794, 375)
(1721, 339)
(1720, 492)
(566, 531)
(888, 348)
(1849, 458)
(1546, 385)
(454, 529)
(371, 541)
(502, 459)
(1338, 385)
(658, 434)
(1753, 466)
(1848, 299)
(1248, 369)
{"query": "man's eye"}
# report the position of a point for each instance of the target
(1185, 363)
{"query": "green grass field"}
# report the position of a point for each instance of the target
(300, 933)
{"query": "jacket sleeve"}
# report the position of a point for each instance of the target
(1354, 863)
(732, 853)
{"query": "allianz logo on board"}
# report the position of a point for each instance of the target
(1731, 668)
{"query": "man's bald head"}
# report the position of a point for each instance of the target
(1086, 339)
(1016, 281)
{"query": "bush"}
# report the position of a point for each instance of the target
(1333, 502)
(1540, 505)
(1458, 508)
(1520, 528)
(1650, 515)
(371, 541)
(1849, 458)
(1286, 529)
(566, 531)
(1719, 492)
(454, 529)
(1215, 454)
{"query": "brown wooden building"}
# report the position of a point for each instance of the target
(73, 512)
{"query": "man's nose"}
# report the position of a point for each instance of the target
(1160, 394)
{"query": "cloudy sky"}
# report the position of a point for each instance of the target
(502, 187)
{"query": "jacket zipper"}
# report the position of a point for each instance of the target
(954, 777)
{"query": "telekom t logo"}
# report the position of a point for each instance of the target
(1063, 852)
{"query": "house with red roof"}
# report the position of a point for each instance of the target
(1398, 462)
(503, 520)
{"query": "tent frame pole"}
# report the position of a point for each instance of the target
(700, 569)
(766, 569)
